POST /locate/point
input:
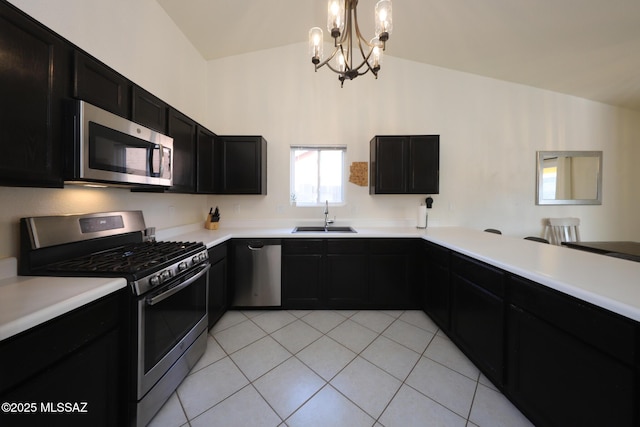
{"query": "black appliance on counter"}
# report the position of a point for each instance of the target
(168, 281)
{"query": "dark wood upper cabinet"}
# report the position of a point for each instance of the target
(183, 131)
(148, 110)
(405, 164)
(100, 85)
(34, 80)
(424, 164)
(208, 174)
(40, 70)
(243, 165)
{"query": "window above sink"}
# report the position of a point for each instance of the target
(317, 175)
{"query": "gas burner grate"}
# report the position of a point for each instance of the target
(133, 258)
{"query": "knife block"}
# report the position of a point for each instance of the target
(211, 225)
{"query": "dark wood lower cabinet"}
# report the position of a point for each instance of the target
(560, 360)
(557, 380)
(478, 326)
(436, 299)
(302, 273)
(346, 273)
(393, 273)
(218, 283)
(80, 390)
(70, 370)
(478, 314)
(350, 273)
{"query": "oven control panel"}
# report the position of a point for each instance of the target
(162, 276)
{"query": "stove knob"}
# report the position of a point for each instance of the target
(155, 280)
(183, 266)
(195, 259)
(165, 275)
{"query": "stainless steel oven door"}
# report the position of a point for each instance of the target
(169, 321)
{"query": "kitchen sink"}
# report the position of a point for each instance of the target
(319, 228)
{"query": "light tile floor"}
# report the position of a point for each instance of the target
(334, 368)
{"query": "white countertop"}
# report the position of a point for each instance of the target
(27, 301)
(608, 282)
(214, 237)
(611, 283)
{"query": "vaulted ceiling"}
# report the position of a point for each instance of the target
(586, 48)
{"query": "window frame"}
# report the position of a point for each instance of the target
(319, 148)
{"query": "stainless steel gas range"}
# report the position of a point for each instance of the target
(168, 284)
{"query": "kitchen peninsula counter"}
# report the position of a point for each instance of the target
(28, 301)
(607, 282)
(610, 283)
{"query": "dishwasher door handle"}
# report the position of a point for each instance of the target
(255, 246)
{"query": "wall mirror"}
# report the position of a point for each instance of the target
(569, 178)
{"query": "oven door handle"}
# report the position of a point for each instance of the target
(156, 299)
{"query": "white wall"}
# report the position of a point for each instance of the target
(136, 38)
(490, 132)
(139, 40)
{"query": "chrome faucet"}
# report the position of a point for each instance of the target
(327, 221)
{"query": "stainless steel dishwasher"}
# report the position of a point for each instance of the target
(257, 269)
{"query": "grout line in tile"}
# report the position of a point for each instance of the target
(186, 417)
(251, 383)
(419, 327)
(324, 333)
(475, 392)
(354, 403)
(436, 402)
(408, 375)
(267, 402)
(359, 354)
(306, 401)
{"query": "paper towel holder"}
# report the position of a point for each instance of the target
(423, 215)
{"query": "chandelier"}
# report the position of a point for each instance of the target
(342, 24)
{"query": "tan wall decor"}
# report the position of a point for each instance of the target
(359, 173)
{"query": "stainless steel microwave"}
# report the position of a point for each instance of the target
(108, 149)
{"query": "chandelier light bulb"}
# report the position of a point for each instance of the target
(315, 44)
(384, 21)
(335, 20)
(341, 62)
(348, 43)
(376, 54)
